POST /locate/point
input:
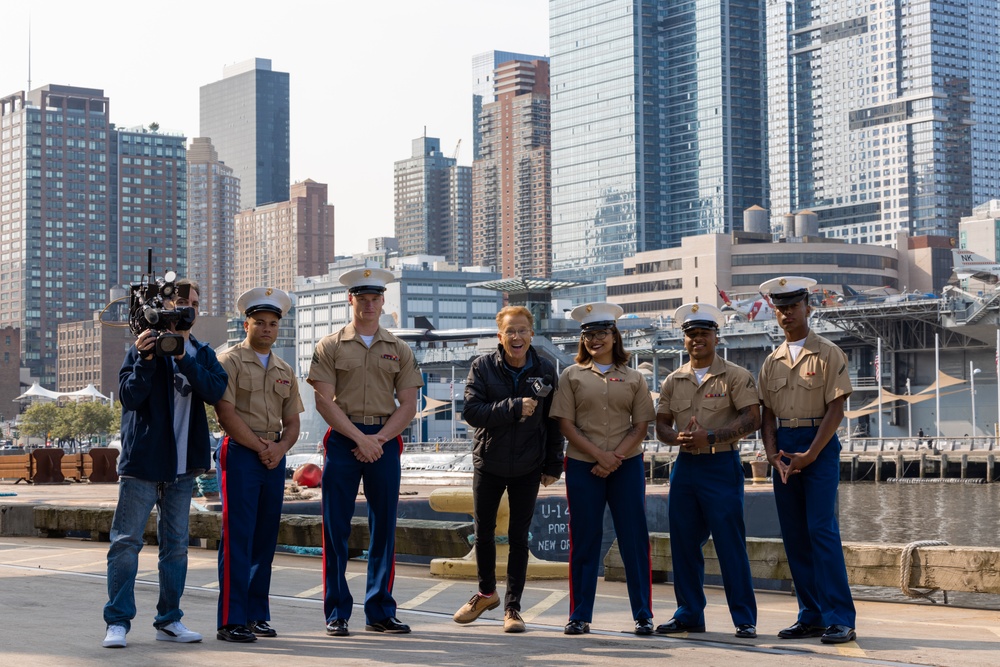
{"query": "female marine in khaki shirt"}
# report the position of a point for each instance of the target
(604, 409)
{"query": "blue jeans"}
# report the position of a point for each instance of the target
(136, 499)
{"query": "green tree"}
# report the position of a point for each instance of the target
(213, 419)
(115, 428)
(91, 418)
(39, 419)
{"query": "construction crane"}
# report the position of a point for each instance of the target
(458, 146)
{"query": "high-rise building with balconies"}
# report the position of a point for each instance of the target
(213, 202)
(883, 117)
(433, 204)
(511, 179)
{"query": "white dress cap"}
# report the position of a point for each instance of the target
(597, 315)
(366, 281)
(698, 316)
(786, 290)
(264, 298)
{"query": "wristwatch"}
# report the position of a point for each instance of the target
(711, 437)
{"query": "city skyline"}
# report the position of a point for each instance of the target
(354, 109)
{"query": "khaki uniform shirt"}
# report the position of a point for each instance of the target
(603, 406)
(365, 380)
(725, 390)
(804, 388)
(262, 397)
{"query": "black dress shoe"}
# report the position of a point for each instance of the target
(236, 633)
(746, 631)
(838, 634)
(800, 630)
(337, 628)
(262, 629)
(390, 626)
(577, 628)
(643, 626)
(673, 626)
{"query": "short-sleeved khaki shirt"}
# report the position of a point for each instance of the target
(725, 390)
(602, 405)
(262, 397)
(803, 389)
(364, 379)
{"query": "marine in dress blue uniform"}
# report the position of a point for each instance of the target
(706, 406)
(803, 385)
(358, 374)
(604, 408)
(260, 414)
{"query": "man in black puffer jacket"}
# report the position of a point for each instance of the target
(516, 448)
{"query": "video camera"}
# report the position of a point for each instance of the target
(147, 310)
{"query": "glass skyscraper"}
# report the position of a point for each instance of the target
(657, 127)
(883, 115)
(246, 116)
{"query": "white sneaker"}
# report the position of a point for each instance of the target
(115, 637)
(176, 632)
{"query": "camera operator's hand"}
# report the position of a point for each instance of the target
(145, 344)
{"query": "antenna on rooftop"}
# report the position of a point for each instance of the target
(29, 50)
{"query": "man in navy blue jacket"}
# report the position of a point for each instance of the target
(165, 445)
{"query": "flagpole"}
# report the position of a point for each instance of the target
(996, 429)
(453, 403)
(878, 380)
(909, 410)
(937, 383)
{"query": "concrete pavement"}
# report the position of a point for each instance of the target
(52, 592)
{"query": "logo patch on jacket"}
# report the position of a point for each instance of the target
(391, 357)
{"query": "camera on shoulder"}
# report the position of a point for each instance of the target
(147, 310)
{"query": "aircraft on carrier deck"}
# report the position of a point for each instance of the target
(970, 265)
(754, 309)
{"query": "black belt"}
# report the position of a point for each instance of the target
(800, 422)
(716, 449)
(269, 435)
(370, 420)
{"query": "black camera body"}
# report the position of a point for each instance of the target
(147, 310)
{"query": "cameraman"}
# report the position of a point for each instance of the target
(165, 445)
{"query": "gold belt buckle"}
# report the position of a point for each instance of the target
(369, 421)
(793, 423)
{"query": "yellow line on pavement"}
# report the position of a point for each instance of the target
(851, 650)
(308, 593)
(426, 595)
(318, 590)
(56, 554)
(552, 600)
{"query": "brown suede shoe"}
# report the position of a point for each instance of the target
(476, 605)
(512, 621)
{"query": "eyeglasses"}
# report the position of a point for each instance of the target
(596, 335)
(520, 333)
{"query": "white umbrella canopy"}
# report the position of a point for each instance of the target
(90, 391)
(39, 392)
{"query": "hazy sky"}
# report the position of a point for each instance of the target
(366, 77)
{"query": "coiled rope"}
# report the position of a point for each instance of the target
(906, 565)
